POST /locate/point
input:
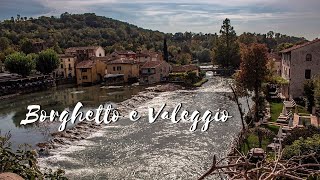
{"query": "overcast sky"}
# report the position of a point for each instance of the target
(292, 17)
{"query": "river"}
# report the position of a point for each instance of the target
(133, 150)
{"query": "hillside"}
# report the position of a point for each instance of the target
(89, 29)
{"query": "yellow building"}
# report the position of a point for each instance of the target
(90, 72)
(66, 68)
(128, 67)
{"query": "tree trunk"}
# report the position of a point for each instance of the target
(256, 108)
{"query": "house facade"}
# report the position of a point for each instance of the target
(124, 55)
(299, 64)
(126, 67)
(85, 53)
(66, 69)
(154, 72)
(186, 68)
(90, 72)
(274, 61)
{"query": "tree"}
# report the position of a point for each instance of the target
(227, 51)
(317, 97)
(19, 63)
(4, 43)
(253, 71)
(47, 61)
(26, 46)
(165, 50)
(309, 89)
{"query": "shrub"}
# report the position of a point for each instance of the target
(23, 162)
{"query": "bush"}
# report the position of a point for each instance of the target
(19, 63)
(23, 162)
(304, 146)
(296, 133)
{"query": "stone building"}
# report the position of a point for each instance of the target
(90, 72)
(126, 67)
(299, 63)
(66, 69)
(85, 53)
(154, 72)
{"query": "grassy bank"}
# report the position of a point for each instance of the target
(200, 83)
(276, 109)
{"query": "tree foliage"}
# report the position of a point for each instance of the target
(309, 90)
(253, 70)
(47, 61)
(19, 63)
(227, 50)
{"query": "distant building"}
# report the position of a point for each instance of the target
(154, 72)
(275, 59)
(38, 46)
(66, 67)
(186, 68)
(85, 53)
(124, 55)
(90, 71)
(145, 56)
(299, 63)
(129, 68)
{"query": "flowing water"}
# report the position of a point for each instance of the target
(140, 150)
(162, 150)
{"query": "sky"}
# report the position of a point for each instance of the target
(292, 17)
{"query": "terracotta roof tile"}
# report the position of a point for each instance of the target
(184, 68)
(300, 46)
(152, 64)
(85, 64)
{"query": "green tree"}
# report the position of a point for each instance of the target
(309, 89)
(4, 43)
(19, 63)
(165, 50)
(47, 61)
(227, 50)
(253, 71)
(26, 46)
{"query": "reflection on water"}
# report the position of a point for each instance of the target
(162, 150)
(13, 110)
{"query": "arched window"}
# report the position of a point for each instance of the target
(309, 57)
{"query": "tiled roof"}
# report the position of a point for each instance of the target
(152, 64)
(184, 68)
(125, 52)
(123, 61)
(300, 46)
(274, 56)
(85, 64)
(65, 56)
(73, 49)
(107, 58)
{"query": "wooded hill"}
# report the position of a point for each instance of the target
(70, 30)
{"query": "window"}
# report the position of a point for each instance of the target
(83, 70)
(69, 59)
(84, 77)
(100, 54)
(114, 68)
(118, 68)
(61, 65)
(308, 57)
(307, 74)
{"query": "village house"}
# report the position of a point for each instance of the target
(145, 56)
(154, 72)
(299, 63)
(66, 69)
(127, 68)
(186, 68)
(85, 53)
(274, 60)
(90, 72)
(124, 55)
